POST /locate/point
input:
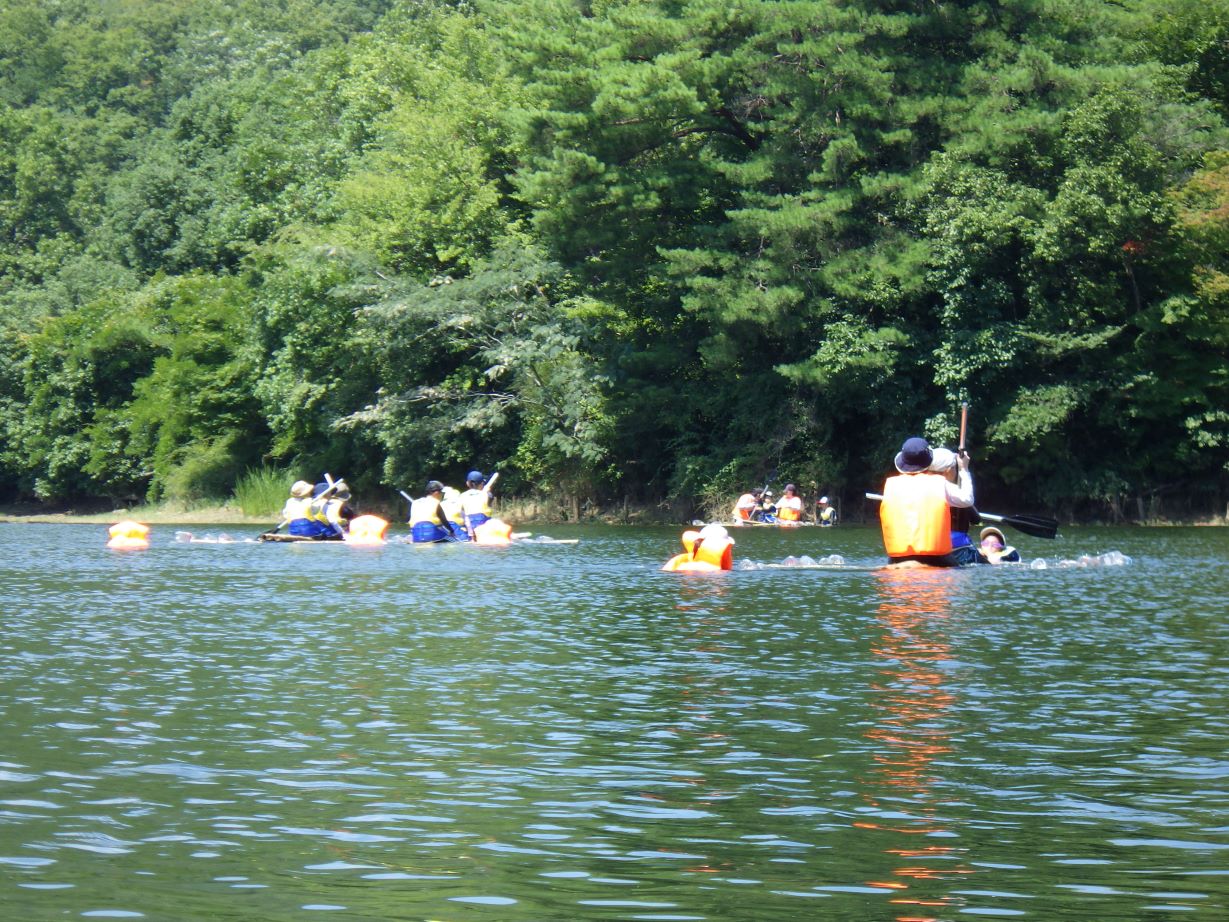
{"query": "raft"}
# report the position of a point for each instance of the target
(296, 539)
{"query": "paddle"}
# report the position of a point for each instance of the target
(1035, 525)
(772, 475)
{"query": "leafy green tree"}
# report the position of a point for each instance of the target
(71, 442)
(495, 363)
(315, 369)
(194, 415)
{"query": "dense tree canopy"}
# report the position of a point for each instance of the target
(618, 248)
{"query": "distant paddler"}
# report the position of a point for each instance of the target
(825, 515)
(749, 507)
(789, 506)
(454, 511)
(331, 508)
(915, 514)
(709, 550)
(476, 501)
(297, 516)
(429, 523)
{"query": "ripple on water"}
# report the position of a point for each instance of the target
(565, 732)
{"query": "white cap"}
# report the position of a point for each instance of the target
(943, 459)
(823, 499)
(715, 532)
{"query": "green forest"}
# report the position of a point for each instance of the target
(622, 251)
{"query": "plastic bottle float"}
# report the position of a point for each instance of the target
(708, 550)
(493, 532)
(128, 536)
(367, 531)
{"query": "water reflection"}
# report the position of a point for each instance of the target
(912, 734)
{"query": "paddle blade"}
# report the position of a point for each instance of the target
(1035, 525)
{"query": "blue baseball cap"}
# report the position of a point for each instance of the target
(475, 477)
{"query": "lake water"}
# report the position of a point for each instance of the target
(242, 731)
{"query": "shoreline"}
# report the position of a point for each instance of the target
(230, 516)
(214, 515)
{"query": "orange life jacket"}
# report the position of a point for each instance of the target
(789, 510)
(745, 506)
(915, 515)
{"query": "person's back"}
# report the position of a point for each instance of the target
(475, 501)
(746, 505)
(915, 514)
(428, 522)
(297, 512)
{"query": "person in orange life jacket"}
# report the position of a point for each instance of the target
(789, 506)
(825, 515)
(748, 506)
(916, 510)
(946, 462)
(475, 501)
(995, 549)
(428, 521)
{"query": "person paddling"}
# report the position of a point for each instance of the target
(428, 522)
(789, 506)
(746, 506)
(454, 511)
(825, 514)
(331, 508)
(297, 513)
(915, 514)
(945, 462)
(476, 501)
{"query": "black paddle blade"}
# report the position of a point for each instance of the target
(1036, 525)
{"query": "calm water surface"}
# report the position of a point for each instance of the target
(238, 731)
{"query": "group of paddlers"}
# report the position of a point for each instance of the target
(443, 513)
(322, 512)
(758, 505)
(926, 513)
(319, 512)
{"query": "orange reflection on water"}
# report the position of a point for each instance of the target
(913, 729)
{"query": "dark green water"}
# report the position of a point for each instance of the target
(237, 731)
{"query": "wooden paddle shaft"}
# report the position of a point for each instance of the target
(964, 423)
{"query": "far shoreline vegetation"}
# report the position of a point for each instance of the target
(636, 256)
(541, 511)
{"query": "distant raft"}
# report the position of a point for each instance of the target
(128, 535)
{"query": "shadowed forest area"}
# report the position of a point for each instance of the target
(623, 252)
